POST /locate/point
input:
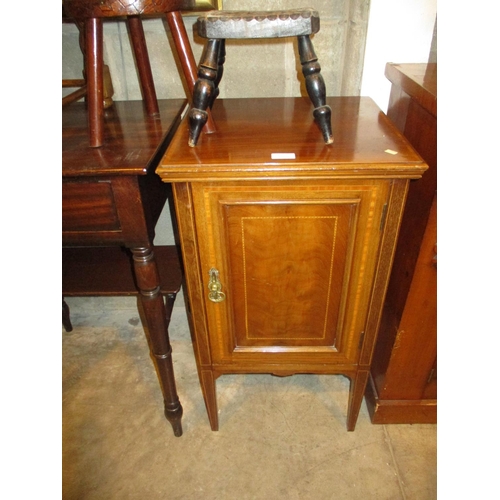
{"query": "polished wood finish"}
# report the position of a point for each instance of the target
(91, 13)
(287, 260)
(217, 26)
(76, 95)
(403, 385)
(112, 198)
(142, 60)
(81, 9)
(108, 271)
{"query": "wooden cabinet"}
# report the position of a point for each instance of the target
(287, 260)
(403, 382)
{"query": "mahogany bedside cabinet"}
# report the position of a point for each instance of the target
(288, 242)
(111, 201)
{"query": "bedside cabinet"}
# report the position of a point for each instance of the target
(288, 242)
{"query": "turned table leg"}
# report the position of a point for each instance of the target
(148, 281)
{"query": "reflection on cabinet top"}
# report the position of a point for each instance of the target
(251, 131)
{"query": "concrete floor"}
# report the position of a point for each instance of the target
(279, 438)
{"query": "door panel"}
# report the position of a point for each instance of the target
(290, 257)
(286, 270)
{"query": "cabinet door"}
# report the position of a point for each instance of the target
(295, 262)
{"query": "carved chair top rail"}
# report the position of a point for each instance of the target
(258, 24)
(81, 9)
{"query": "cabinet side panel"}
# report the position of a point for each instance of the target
(387, 249)
(190, 254)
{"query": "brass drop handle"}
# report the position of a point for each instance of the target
(215, 287)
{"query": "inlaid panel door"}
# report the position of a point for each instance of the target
(287, 269)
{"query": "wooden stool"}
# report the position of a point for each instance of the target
(217, 26)
(91, 13)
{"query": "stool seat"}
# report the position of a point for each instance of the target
(217, 26)
(258, 24)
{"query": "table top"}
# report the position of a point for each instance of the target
(419, 81)
(249, 131)
(134, 141)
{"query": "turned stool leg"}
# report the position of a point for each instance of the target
(204, 89)
(186, 57)
(315, 87)
(220, 69)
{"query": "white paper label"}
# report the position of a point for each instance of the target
(283, 156)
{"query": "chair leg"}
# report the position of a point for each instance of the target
(315, 87)
(204, 89)
(108, 90)
(94, 75)
(82, 91)
(143, 64)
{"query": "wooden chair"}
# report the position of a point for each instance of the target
(80, 84)
(91, 13)
(217, 26)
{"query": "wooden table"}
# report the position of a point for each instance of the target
(111, 201)
(287, 256)
(403, 382)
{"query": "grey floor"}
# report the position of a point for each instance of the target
(279, 438)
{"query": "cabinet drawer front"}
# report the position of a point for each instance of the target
(295, 263)
(88, 206)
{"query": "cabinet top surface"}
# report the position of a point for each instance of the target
(251, 131)
(133, 139)
(419, 81)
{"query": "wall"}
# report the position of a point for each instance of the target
(399, 31)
